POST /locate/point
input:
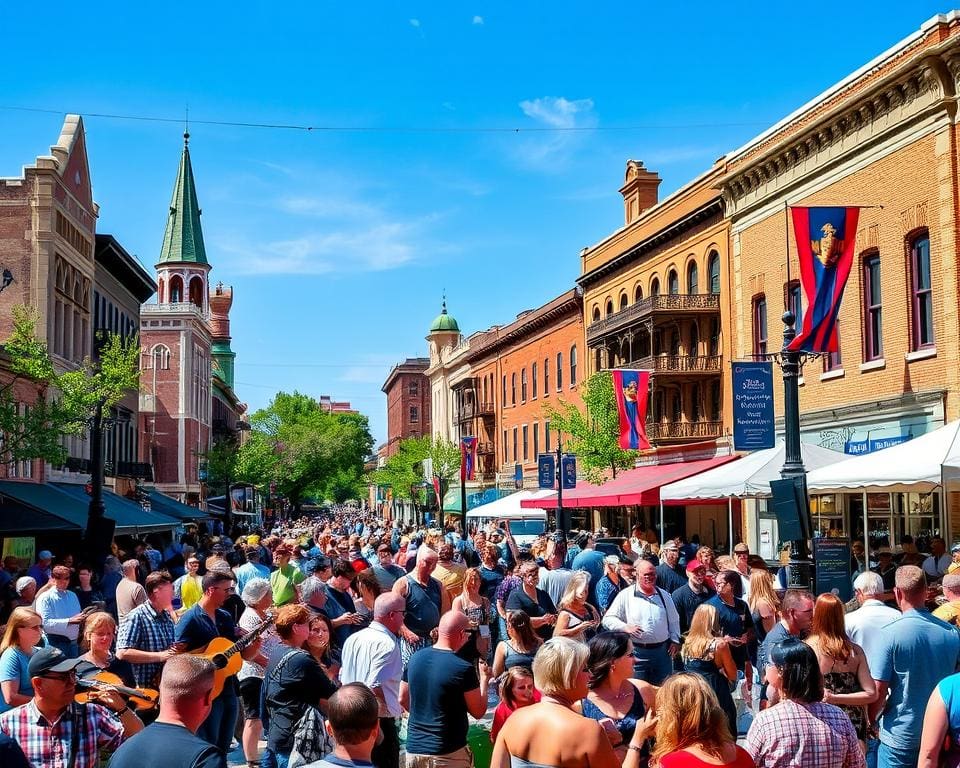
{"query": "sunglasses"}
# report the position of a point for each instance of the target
(63, 677)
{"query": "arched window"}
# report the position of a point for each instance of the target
(638, 293)
(160, 356)
(196, 292)
(176, 289)
(623, 301)
(673, 283)
(559, 371)
(713, 267)
(921, 293)
(533, 377)
(573, 363)
(609, 307)
(523, 385)
(655, 287)
(596, 313)
(693, 279)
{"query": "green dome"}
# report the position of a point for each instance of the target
(444, 322)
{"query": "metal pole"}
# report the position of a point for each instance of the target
(96, 508)
(663, 538)
(730, 523)
(866, 534)
(562, 526)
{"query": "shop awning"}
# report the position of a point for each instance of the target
(18, 519)
(915, 466)
(129, 515)
(633, 486)
(747, 478)
(47, 499)
(175, 509)
(508, 505)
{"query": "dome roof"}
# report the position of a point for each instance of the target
(444, 323)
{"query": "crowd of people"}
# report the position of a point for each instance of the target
(347, 641)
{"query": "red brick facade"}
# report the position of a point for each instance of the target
(408, 402)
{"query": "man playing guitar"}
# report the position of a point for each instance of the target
(196, 628)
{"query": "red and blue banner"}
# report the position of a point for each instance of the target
(468, 458)
(825, 244)
(632, 392)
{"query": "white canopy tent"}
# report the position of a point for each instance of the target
(748, 478)
(509, 506)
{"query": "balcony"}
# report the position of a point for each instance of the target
(668, 431)
(473, 410)
(667, 364)
(652, 305)
(485, 449)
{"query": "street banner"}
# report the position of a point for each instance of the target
(517, 476)
(568, 471)
(436, 490)
(753, 406)
(632, 390)
(825, 246)
(468, 458)
(546, 470)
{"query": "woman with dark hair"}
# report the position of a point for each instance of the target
(847, 680)
(322, 645)
(614, 695)
(801, 730)
(536, 603)
(519, 647)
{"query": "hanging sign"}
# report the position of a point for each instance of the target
(753, 418)
(546, 470)
(568, 471)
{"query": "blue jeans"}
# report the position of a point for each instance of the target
(872, 745)
(218, 728)
(653, 665)
(892, 757)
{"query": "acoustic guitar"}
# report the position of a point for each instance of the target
(225, 654)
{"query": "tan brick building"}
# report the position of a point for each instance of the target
(884, 136)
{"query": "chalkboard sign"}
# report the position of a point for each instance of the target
(831, 558)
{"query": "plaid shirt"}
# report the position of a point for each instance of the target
(146, 630)
(48, 744)
(795, 735)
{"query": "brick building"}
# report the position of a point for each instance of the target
(227, 412)
(884, 136)
(176, 341)
(408, 402)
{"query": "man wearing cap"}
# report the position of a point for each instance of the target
(40, 571)
(59, 608)
(693, 594)
(52, 730)
(610, 583)
(670, 576)
(741, 559)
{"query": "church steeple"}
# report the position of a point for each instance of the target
(183, 238)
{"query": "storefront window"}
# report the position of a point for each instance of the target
(827, 517)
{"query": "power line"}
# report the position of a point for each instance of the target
(313, 365)
(391, 129)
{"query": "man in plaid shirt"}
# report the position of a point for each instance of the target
(51, 729)
(146, 638)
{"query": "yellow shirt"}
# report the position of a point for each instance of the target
(948, 612)
(190, 591)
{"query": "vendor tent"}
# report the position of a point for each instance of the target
(508, 506)
(748, 478)
(915, 466)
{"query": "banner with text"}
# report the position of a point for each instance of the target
(546, 470)
(753, 418)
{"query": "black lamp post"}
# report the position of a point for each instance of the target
(99, 531)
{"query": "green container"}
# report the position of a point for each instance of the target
(478, 738)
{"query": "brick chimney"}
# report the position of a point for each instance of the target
(639, 190)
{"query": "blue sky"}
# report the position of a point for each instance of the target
(339, 243)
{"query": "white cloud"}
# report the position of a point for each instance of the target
(558, 112)
(328, 207)
(415, 23)
(478, 20)
(551, 150)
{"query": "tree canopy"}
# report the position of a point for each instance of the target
(403, 471)
(594, 432)
(304, 450)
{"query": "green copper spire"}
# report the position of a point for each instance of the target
(183, 238)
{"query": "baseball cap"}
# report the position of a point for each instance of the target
(695, 565)
(45, 554)
(51, 659)
(612, 560)
(742, 548)
(670, 544)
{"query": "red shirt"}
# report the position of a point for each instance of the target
(504, 711)
(687, 760)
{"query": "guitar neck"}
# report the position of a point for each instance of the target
(248, 638)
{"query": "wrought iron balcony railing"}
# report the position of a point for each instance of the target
(699, 302)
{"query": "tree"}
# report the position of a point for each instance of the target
(66, 402)
(403, 471)
(595, 432)
(305, 450)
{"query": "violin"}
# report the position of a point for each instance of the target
(138, 698)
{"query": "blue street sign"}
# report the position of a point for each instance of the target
(546, 470)
(753, 406)
(568, 471)
(518, 476)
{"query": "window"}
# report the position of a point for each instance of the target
(795, 303)
(546, 378)
(596, 314)
(161, 357)
(638, 293)
(676, 408)
(546, 436)
(414, 414)
(559, 371)
(921, 314)
(526, 436)
(533, 379)
(713, 267)
(694, 349)
(413, 389)
(673, 283)
(695, 413)
(506, 456)
(675, 342)
(872, 309)
(655, 287)
(573, 365)
(623, 301)
(523, 385)
(759, 326)
(536, 439)
(504, 390)
(715, 402)
(832, 361)
(714, 336)
(609, 307)
(693, 279)
(516, 453)
(513, 389)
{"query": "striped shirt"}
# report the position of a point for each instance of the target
(47, 743)
(146, 630)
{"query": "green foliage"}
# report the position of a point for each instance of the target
(304, 450)
(404, 469)
(222, 463)
(67, 400)
(594, 433)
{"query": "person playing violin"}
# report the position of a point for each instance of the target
(99, 632)
(51, 728)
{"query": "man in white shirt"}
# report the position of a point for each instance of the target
(59, 608)
(864, 624)
(372, 657)
(935, 566)
(648, 615)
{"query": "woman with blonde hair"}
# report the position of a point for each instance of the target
(476, 608)
(99, 635)
(707, 655)
(24, 630)
(847, 681)
(764, 603)
(707, 556)
(576, 618)
(692, 729)
(552, 733)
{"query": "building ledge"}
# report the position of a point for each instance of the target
(838, 373)
(920, 354)
(873, 365)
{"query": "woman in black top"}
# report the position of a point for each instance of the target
(533, 601)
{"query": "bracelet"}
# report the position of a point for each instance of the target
(635, 747)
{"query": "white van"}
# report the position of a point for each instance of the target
(525, 524)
